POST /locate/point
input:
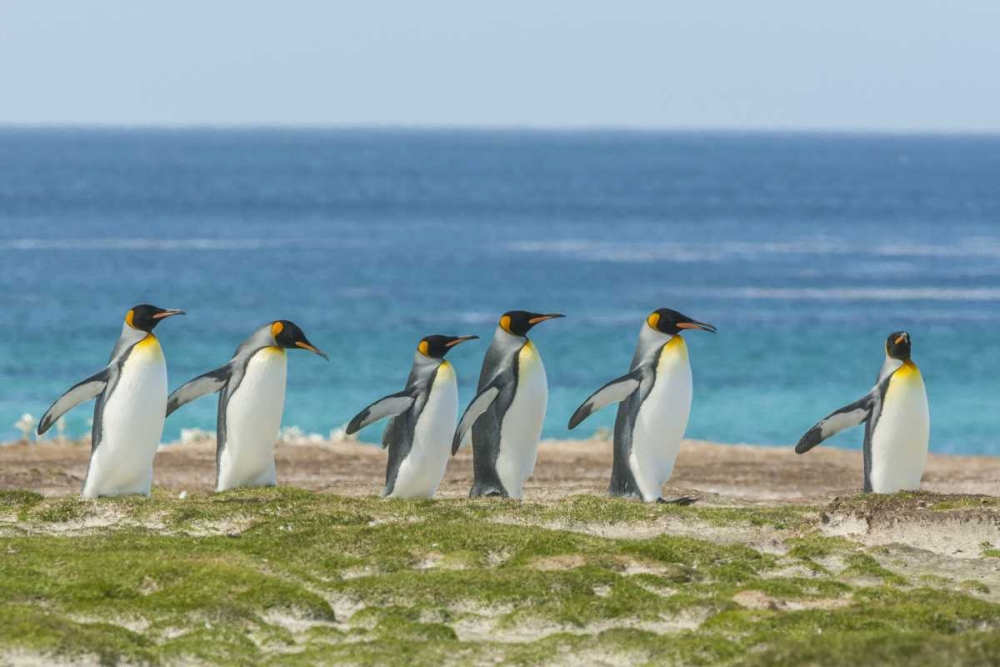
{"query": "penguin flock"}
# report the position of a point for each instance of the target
(503, 420)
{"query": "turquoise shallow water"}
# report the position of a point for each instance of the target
(804, 250)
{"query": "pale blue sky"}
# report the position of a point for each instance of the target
(889, 64)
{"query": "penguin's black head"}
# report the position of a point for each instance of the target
(145, 317)
(289, 336)
(437, 346)
(897, 345)
(520, 322)
(672, 323)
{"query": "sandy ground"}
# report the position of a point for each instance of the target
(716, 473)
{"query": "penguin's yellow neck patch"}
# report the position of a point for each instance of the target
(528, 356)
(906, 379)
(148, 345)
(673, 348)
(445, 370)
(274, 349)
(908, 370)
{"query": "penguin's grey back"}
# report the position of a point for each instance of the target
(647, 354)
(127, 340)
(399, 432)
(501, 358)
(257, 341)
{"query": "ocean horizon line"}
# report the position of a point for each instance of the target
(497, 129)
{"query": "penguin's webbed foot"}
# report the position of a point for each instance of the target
(484, 490)
(683, 501)
(488, 494)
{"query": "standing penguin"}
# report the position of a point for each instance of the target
(250, 405)
(422, 421)
(897, 422)
(506, 415)
(131, 393)
(655, 402)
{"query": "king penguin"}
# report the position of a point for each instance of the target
(506, 415)
(897, 422)
(655, 402)
(251, 403)
(131, 393)
(422, 422)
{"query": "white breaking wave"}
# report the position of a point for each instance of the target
(604, 251)
(844, 293)
(167, 244)
(472, 317)
(614, 251)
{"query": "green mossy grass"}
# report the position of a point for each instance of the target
(291, 577)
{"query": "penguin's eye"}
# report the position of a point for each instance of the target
(653, 320)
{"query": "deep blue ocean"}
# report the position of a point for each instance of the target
(804, 250)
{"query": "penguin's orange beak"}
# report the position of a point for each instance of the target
(541, 318)
(168, 313)
(460, 340)
(694, 324)
(312, 348)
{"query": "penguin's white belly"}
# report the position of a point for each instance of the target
(901, 435)
(421, 472)
(661, 421)
(522, 423)
(253, 419)
(131, 426)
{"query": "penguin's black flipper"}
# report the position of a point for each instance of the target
(208, 383)
(477, 407)
(387, 406)
(849, 415)
(78, 393)
(615, 391)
